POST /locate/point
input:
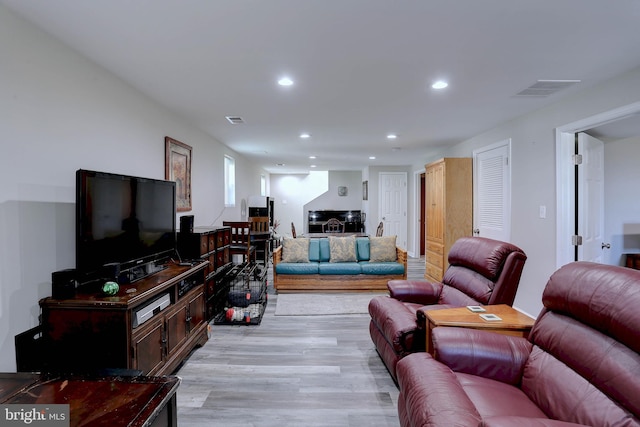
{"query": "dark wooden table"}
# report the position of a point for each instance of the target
(345, 234)
(106, 401)
(633, 261)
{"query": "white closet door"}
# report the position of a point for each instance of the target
(492, 191)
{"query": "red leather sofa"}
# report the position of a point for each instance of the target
(579, 366)
(481, 271)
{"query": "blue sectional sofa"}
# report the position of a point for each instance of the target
(321, 271)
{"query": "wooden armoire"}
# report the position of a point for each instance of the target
(448, 208)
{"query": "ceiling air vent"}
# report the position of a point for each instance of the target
(235, 120)
(546, 87)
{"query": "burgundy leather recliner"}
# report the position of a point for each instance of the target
(481, 271)
(579, 366)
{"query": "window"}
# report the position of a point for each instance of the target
(263, 185)
(229, 181)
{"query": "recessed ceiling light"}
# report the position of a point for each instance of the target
(440, 84)
(305, 135)
(392, 136)
(372, 157)
(312, 157)
(313, 166)
(285, 81)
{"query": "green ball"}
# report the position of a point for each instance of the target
(110, 288)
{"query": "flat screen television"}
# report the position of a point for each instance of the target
(124, 220)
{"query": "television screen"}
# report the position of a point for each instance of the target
(122, 219)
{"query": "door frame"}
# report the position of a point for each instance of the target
(565, 184)
(418, 210)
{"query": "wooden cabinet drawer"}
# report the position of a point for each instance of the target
(211, 239)
(223, 238)
(437, 248)
(210, 287)
(435, 259)
(219, 239)
(211, 267)
(433, 273)
(204, 244)
(219, 260)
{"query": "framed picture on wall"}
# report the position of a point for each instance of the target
(177, 168)
(365, 190)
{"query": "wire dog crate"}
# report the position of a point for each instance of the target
(246, 296)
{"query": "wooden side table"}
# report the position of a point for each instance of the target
(513, 322)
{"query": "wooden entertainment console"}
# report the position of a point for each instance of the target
(151, 325)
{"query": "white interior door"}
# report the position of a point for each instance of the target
(590, 199)
(565, 176)
(492, 191)
(393, 205)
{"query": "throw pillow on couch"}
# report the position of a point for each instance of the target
(342, 249)
(382, 249)
(295, 250)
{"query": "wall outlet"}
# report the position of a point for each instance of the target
(543, 211)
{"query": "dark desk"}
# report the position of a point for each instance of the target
(345, 234)
(108, 401)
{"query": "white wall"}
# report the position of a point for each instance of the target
(622, 204)
(291, 193)
(533, 173)
(60, 112)
(330, 200)
(294, 195)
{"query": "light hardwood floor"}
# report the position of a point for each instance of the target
(290, 371)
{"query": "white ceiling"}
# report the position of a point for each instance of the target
(362, 68)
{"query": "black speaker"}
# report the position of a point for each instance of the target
(186, 224)
(111, 271)
(64, 283)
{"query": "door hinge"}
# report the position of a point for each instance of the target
(577, 159)
(576, 240)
